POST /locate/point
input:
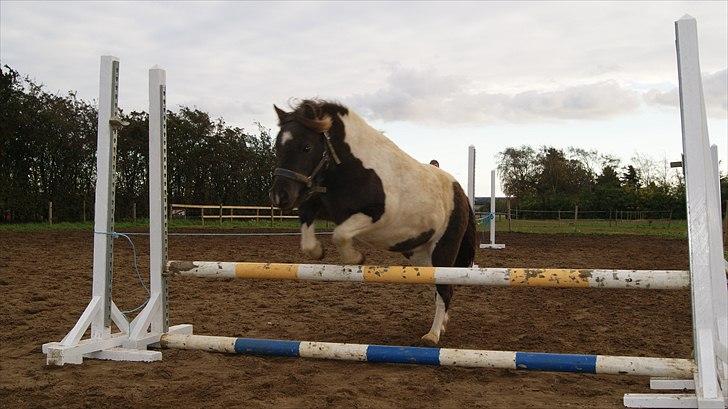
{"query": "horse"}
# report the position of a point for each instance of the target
(332, 165)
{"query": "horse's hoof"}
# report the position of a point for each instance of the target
(319, 252)
(316, 253)
(356, 260)
(430, 339)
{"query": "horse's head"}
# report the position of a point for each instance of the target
(301, 153)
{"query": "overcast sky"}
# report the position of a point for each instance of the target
(436, 77)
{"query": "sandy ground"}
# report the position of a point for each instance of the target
(45, 282)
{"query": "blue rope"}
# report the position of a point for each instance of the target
(116, 235)
(486, 220)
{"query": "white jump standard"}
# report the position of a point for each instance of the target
(492, 217)
(133, 338)
(471, 196)
(707, 373)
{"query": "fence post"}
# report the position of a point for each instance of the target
(220, 214)
(509, 214)
(576, 215)
(83, 213)
(202, 215)
(272, 213)
(610, 217)
(50, 212)
(133, 211)
(725, 223)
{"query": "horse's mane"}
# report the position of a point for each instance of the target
(317, 114)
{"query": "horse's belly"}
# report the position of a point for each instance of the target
(387, 238)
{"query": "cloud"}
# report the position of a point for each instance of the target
(715, 92)
(589, 101)
(495, 61)
(425, 96)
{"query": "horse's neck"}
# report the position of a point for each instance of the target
(363, 139)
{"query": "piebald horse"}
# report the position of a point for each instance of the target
(332, 165)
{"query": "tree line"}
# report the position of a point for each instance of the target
(48, 153)
(552, 179)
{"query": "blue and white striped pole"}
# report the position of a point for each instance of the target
(532, 361)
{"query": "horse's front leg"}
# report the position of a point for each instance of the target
(310, 245)
(344, 237)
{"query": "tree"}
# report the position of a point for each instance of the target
(517, 170)
(631, 177)
(48, 147)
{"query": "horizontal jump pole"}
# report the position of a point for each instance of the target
(498, 277)
(531, 361)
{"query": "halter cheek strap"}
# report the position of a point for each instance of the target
(330, 147)
(309, 181)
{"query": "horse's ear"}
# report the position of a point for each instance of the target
(310, 111)
(282, 115)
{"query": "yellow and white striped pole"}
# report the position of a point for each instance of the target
(497, 277)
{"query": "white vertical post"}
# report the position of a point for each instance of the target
(471, 176)
(707, 276)
(492, 206)
(130, 344)
(699, 190)
(158, 195)
(718, 264)
(492, 244)
(105, 194)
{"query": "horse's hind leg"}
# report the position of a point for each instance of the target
(444, 294)
(439, 323)
(442, 300)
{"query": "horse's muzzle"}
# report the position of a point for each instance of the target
(284, 193)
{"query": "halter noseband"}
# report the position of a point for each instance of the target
(309, 181)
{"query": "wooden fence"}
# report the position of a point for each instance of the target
(230, 213)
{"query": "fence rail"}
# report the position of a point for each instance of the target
(526, 220)
(229, 212)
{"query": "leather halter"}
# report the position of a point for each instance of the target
(309, 181)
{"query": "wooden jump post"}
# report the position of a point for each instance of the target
(707, 373)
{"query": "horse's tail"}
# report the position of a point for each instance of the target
(468, 244)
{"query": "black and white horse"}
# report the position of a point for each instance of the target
(334, 166)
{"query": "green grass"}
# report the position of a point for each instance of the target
(663, 228)
(143, 224)
(673, 229)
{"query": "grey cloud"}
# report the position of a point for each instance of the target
(426, 97)
(715, 92)
(222, 56)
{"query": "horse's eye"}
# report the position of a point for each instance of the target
(307, 148)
